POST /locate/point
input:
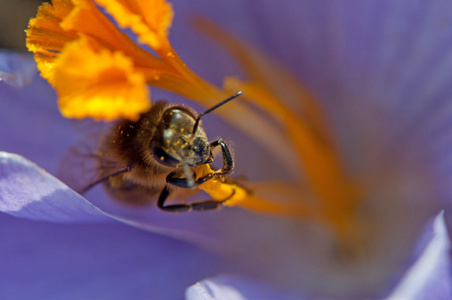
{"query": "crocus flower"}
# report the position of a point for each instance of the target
(350, 176)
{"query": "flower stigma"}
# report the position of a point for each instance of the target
(99, 72)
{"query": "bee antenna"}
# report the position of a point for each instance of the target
(213, 108)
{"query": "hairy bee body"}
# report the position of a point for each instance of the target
(128, 144)
(154, 158)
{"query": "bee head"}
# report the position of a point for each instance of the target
(174, 143)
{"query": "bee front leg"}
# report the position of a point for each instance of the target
(183, 182)
(198, 206)
(228, 162)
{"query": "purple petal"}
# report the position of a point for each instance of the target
(448, 219)
(16, 69)
(430, 277)
(29, 192)
(31, 125)
(229, 287)
(42, 260)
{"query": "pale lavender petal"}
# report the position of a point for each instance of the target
(430, 277)
(17, 69)
(448, 219)
(41, 260)
(230, 287)
(29, 192)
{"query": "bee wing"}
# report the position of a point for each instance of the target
(89, 127)
(84, 165)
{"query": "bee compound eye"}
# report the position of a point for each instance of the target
(162, 157)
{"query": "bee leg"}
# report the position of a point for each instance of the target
(210, 204)
(228, 163)
(183, 182)
(171, 208)
(198, 206)
(206, 205)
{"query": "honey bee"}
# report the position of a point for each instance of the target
(156, 156)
